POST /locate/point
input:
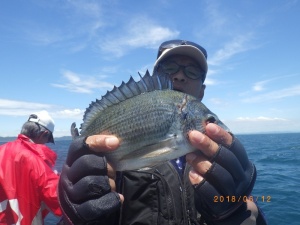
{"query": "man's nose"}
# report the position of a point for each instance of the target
(179, 76)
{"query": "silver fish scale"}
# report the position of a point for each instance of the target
(151, 114)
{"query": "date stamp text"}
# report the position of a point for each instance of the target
(232, 199)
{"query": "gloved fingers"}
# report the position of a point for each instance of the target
(244, 187)
(244, 178)
(221, 179)
(239, 151)
(245, 183)
(247, 213)
(207, 201)
(242, 170)
(90, 187)
(100, 207)
(199, 162)
(77, 149)
(222, 137)
(229, 161)
(211, 149)
(74, 131)
(95, 144)
(195, 178)
(87, 165)
(231, 174)
(230, 170)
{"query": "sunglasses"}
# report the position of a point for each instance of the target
(174, 43)
(191, 71)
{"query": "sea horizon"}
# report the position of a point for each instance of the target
(69, 137)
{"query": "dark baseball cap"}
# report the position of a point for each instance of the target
(182, 47)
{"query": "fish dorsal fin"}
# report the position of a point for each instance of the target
(132, 88)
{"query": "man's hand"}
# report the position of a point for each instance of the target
(221, 168)
(87, 187)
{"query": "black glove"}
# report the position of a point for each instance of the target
(84, 192)
(226, 186)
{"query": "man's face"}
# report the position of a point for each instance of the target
(180, 81)
(42, 138)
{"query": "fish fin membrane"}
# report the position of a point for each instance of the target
(125, 91)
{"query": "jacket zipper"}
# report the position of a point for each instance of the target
(184, 196)
(184, 210)
(170, 206)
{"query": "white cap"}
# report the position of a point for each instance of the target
(43, 118)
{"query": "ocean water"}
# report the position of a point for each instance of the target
(277, 159)
(277, 188)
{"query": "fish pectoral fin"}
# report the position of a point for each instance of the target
(161, 148)
(153, 150)
(157, 152)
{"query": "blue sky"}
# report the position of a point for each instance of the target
(61, 55)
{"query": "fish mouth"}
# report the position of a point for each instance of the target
(211, 119)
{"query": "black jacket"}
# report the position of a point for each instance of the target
(158, 196)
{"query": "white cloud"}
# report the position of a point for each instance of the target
(69, 113)
(210, 81)
(21, 108)
(262, 125)
(24, 108)
(88, 24)
(260, 85)
(219, 102)
(81, 83)
(240, 43)
(143, 32)
(139, 32)
(274, 95)
(260, 118)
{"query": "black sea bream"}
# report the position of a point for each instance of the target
(150, 119)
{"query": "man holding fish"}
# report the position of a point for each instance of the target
(173, 162)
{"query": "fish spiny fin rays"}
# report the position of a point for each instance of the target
(132, 88)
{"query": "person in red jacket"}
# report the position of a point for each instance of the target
(28, 184)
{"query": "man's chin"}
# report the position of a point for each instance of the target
(178, 89)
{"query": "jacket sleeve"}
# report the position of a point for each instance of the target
(47, 181)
